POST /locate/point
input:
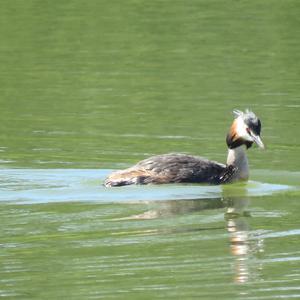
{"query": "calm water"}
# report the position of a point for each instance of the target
(91, 86)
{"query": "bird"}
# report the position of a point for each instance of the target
(183, 168)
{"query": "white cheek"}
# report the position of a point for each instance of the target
(241, 130)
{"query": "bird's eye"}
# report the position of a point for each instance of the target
(248, 131)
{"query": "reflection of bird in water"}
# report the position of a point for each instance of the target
(242, 244)
(163, 209)
(176, 168)
(239, 246)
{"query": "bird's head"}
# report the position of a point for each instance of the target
(245, 130)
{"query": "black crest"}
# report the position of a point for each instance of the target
(253, 123)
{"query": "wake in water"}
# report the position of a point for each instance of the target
(65, 185)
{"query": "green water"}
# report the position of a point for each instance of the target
(90, 86)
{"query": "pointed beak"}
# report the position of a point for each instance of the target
(258, 141)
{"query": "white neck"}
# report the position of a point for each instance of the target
(237, 157)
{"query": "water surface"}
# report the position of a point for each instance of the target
(91, 86)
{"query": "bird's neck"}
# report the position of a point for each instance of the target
(237, 157)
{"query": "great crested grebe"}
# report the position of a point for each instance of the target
(176, 167)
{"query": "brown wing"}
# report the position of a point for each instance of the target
(182, 168)
(169, 168)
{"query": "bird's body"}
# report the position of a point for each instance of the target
(169, 168)
(183, 168)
